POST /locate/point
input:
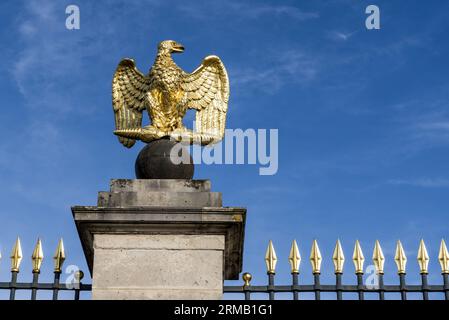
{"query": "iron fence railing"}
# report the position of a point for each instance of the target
(295, 289)
(33, 287)
(379, 288)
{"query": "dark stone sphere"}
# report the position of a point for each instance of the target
(153, 161)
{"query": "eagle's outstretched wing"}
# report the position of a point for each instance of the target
(129, 89)
(207, 91)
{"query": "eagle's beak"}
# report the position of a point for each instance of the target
(178, 48)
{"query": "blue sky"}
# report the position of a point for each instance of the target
(363, 119)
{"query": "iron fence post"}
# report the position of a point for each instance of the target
(338, 286)
(246, 285)
(402, 286)
(316, 285)
(56, 285)
(446, 286)
(425, 286)
(360, 285)
(295, 284)
(380, 278)
(34, 285)
(13, 283)
(271, 285)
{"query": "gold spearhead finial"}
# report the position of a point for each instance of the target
(271, 258)
(400, 258)
(59, 256)
(338, 257)
(378, 258)
(16, 256)
(443, 257)
(358, 258)
(294, 257)
(37, 257)
(315, 257)
(423, 258)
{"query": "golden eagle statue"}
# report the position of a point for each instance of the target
(166, 92)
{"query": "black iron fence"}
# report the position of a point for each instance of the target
(75, 285)
(271, 289)
(378, 288)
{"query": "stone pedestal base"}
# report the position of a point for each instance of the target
(158, 266)
(148, 251)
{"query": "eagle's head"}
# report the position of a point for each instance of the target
(170, 46)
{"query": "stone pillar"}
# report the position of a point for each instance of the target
(160, 239)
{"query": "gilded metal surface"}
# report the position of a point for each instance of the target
(237, 218)
(423, 258)
(246, 277)
(271, 258)
(378, 258)
(79, 275)
(59, 256)
(338, 258)
(443, 257)
(16, 256)
(358, 258)
(166, 92)
(400, 258)
(315, 257)
(37, 257)
(294, 257)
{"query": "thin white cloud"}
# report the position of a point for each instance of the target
(401, 47)
(437, 125)
(422, 121)
(49, 56)
(214, 10)
(292, 66)
(50, 71)
(340, 36)
(278, 11)
(429, 130)
(421, 182)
